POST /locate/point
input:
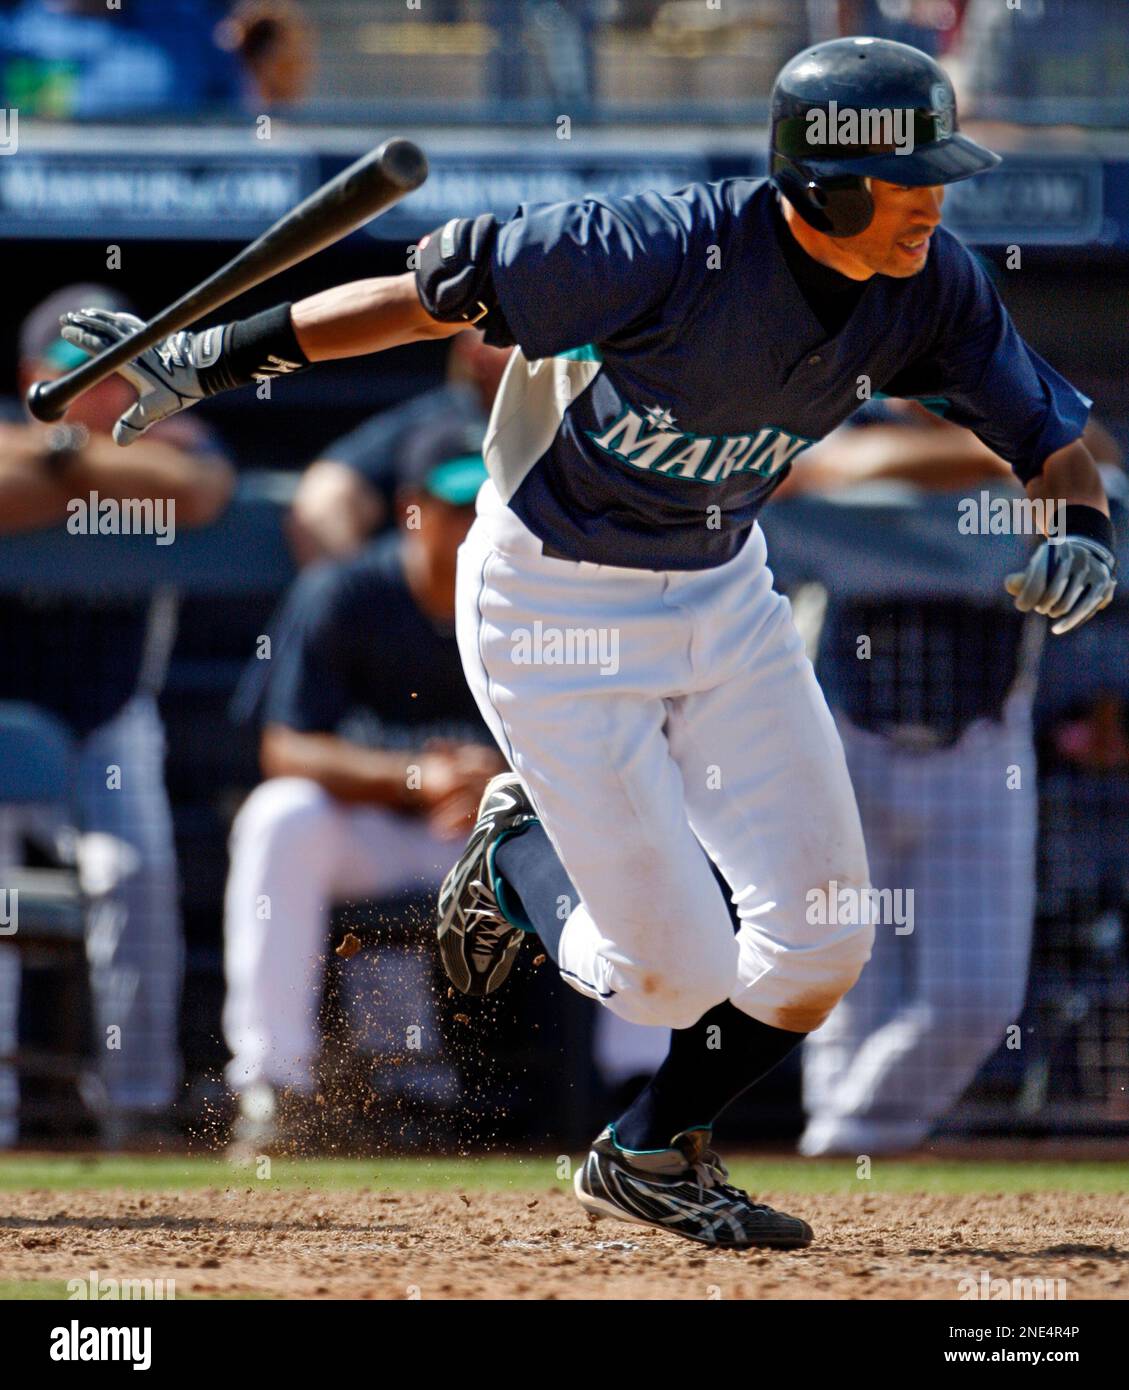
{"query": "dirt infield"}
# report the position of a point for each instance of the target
(387, 1245)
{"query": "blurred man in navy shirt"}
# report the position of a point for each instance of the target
(375, 758)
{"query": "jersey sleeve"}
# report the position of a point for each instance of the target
(573, 273)
(978, 372)
(309, 689)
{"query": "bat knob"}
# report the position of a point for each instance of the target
(41, 405)
(404, 163)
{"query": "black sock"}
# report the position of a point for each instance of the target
(703, 1072)
(533, 887)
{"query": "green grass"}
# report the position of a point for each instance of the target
(61, 1173)
(24, 1290)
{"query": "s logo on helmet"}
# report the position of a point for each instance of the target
(943, 110)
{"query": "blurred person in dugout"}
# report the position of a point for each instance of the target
(93, 59)
(348, 495)
(1072, 56)
(375, 758)
(931, 724)
(926, 24)
(97, 664)
(90, 60)
(276, 44)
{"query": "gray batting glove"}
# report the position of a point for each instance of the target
(1070, 580)
(166, 377)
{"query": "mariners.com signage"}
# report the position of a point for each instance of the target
(1031, 200)
(69, 195)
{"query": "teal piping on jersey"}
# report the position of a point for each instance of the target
(588, 353)
(935, 405)
(707, 1129)
(498, 884)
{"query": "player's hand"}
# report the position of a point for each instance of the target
(1070, 580)
(453, 818)
(466, 767)
(451, 781)
(166, 377)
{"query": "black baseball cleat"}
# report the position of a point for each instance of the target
(478, 944)
(682, 1189)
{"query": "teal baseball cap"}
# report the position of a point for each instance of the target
(457, 480)
(444, 459)
(64, 355)
(39, 332)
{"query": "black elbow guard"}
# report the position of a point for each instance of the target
(454, 279)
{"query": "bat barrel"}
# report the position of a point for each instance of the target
(368, 186)
(43, 406)
(50, 400)
(404, 163)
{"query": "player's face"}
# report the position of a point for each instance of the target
(897, 240)
(483, 366)
(438, 528)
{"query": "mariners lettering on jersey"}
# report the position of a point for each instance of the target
(647, 440)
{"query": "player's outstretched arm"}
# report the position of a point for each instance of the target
(1071, 476)
(365, 316)
(349, 320)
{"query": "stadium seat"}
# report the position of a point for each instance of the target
(44, 921)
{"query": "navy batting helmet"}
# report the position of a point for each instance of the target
(851, 110)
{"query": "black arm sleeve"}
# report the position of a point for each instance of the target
(454, 277)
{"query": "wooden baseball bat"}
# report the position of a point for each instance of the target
(373, 184)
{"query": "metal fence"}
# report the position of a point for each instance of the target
(530, 61)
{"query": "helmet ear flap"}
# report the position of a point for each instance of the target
(801, 191)
(848, 204)
(840, 206)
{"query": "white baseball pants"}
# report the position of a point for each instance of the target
(651, 714)
(295, 851)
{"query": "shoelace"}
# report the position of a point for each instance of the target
(712, 1173)
(484, 909)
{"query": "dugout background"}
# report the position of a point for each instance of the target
(659, 105)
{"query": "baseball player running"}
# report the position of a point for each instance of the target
(616, 617)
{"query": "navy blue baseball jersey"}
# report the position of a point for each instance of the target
(354, 654)
(670, 369)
